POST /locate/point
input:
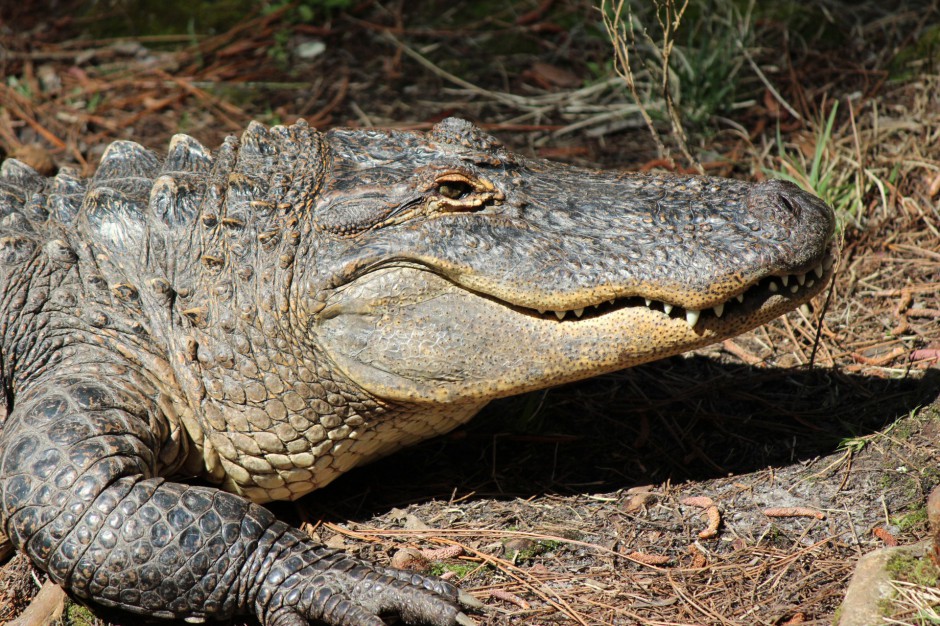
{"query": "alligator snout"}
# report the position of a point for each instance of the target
(788, 207)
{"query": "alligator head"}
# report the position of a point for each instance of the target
(461, 272)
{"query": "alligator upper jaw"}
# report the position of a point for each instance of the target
(674, 305)
(409, 335)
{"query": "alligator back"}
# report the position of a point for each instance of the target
(110, 214)
(135, 256)
(73, 251)
(140, 211)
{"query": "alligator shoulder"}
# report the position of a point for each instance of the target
(294, 304)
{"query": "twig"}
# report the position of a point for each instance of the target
(45, 608)
(615, 31)
(821, 317)
(729, 345)
(508, 99)
(669, 26)
(770, 87)
(505, 596)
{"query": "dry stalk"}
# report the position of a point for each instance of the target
(501, 594)
(914, 600)
(622, 36)
(617, 32)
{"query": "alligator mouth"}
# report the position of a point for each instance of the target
(800, 286)
(407, 333)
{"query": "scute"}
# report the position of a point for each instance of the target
(175, 199)
(113, 218)
(15, 249)
(21, 174)
(460, 132)
(186, 155)
(126, 159)
(256, 142)
(68, 191)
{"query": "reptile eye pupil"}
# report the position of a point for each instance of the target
(453, 190)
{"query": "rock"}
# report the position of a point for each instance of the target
(870, 592)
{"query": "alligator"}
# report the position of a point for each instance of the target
(268, 316)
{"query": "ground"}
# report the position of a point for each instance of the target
(572, 505)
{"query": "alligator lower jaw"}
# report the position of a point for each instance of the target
(794, 286)
(407, 335)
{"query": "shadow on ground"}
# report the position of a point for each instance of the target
(681, 419)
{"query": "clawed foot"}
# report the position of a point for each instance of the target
(351, 593)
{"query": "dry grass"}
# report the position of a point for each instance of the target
(916, 605)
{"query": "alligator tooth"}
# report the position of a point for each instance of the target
(597, 306)
(610, 301)
(541, 311)
(667, 308)
(828, 261)
(804, 309)
(579, 312)
(818, 270)
(810, 282)
(691, 317)
(648, 301)
(784, 280)
(801, 278)
(719, 310)
(773, 287)
(560, 314)
(739, 297)
(794, 288)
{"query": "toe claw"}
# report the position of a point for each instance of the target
(464, 620)
(467, 600)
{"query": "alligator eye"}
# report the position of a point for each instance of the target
(454, 189)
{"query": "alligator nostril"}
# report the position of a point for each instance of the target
(790, 205)
(784, 203)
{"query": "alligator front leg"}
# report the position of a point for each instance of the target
(80, 495)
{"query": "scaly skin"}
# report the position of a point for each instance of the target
(297, 304)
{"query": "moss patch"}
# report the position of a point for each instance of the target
(461, 570)
(78, 615)
(913, 569)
